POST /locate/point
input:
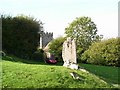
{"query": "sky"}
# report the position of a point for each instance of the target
(57, 14)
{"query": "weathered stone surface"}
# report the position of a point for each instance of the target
(45, 38)
(69, 54)
(73, 66)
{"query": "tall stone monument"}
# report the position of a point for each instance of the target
(69, 54)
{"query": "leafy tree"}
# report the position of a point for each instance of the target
(105, 52)
(20, 35)
(85, 32)
(38, 55)
(55, 47)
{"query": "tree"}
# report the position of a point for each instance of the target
(105, 52)
(20, 35)
(85, 32)
(55, 47)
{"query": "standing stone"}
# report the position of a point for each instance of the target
(69, 54)
(74, 59)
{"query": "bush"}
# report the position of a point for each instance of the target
(8, 58)
(20, 35)
(38, 55)
(103, 53)
(55, 48)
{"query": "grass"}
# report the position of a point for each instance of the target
(108, 73)
(27, 75)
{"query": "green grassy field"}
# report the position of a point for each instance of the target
(19, 74)
(108, 73)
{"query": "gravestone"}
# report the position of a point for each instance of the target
(69, 54)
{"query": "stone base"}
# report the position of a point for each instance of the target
(66, 65)
(72, 66)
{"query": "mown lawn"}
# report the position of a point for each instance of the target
(24, 75)
(108, 73)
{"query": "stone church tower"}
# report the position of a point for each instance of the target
(45, 38)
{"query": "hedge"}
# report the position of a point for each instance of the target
(105, 52)
(20, 35)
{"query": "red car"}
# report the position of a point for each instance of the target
(52, 61)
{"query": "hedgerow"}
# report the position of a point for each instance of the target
(20, 35)
(105, 52)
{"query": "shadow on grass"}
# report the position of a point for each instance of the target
(19, 60)
(107, 73)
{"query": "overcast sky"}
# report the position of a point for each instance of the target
(56, 14)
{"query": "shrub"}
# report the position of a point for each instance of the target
(20, 35)
(55, 48)
(38, 55)
(105, 52)
(8, 58)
